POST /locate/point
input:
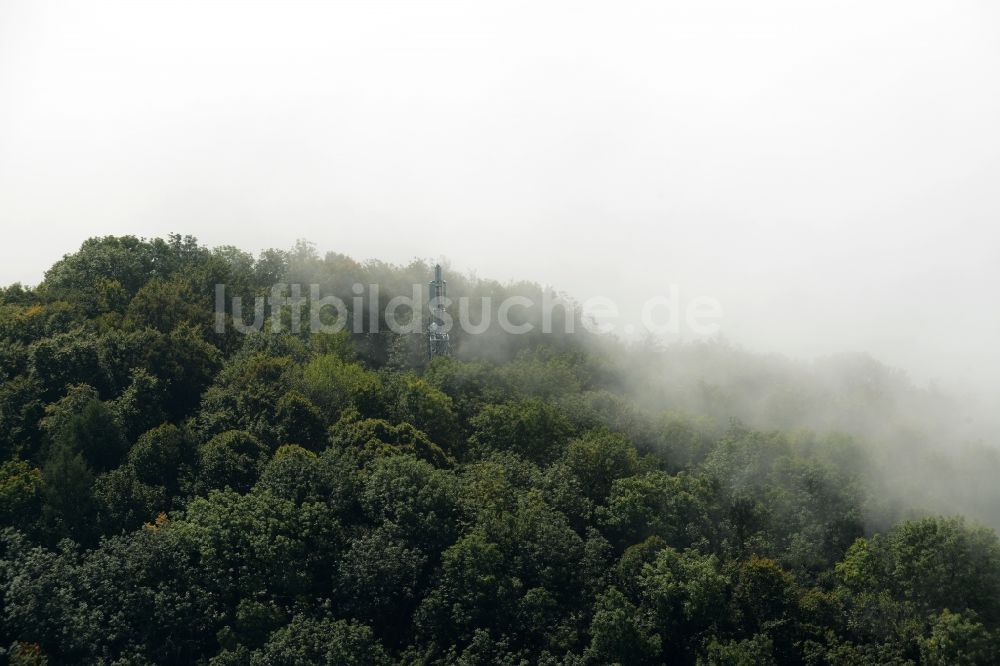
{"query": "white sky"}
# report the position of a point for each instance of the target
(829, 171)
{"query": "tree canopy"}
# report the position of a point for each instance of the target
(172, 494)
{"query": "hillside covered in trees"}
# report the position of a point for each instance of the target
(173, 495)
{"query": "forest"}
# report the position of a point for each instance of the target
(170, 494)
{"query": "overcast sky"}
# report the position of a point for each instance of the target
(829, 171)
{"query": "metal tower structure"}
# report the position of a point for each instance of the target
(438, 341)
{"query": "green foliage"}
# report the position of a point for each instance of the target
(598, 459)
(299, 421)
(372, 438)
(532, 428)
(412, 400)
(67, 503)
(955, 639)
(334, 385)
(163, 456)
(324, 642)
(683, 440)
(187, 365)
(675, 508)
(13, 358)
(172, 495)
(471, 385)
(933, 563)
(472, 591)
(245, 544)
(784, 499)
(126, 260)
(245, 396)
(764, 592)
(21, 409)
(141, 406)
(20, 492)
(95, 434)
(685, 593)
(60, 413)
(337, 344)
(160, 461)
(67, 358)
(421, 502)
(620, 634)
(755, 651)
(299, 475)
(166, 304)
(232, 459)
(380, 579)
(125, 501)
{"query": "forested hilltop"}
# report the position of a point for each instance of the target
(170, 494)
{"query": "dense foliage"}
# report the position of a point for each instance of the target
(173, 495)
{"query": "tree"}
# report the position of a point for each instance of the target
(598, 459)
(124, 259)
(68, 358)
(232, 459)
(298, 498)
(298, 421)
(67, 503)
(60, 413)
(259, 546)
(334, 384)
(381, 578)
(125, 502)
(685, 593)
(20, 493)
(163, 455)
(675, 508)
(187, 363)
(21, 407)
(471, 385)
(299, 475)
(325, 642)
(958, 640)
(757, 650)
(532, 428)
(764, 596)
(474, 591)
(245, 396)
(935, 563)
(165, 304)
(516, 574)
(374, 438)
(95, 434)
(421, 502)
(412, 400)
(142, 405)
(620, 634)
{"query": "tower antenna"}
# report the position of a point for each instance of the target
(438, 341)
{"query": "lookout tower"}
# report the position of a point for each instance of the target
(438, 342)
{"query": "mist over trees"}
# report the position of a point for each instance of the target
(171, 494)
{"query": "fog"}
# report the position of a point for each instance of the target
(825, 171)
